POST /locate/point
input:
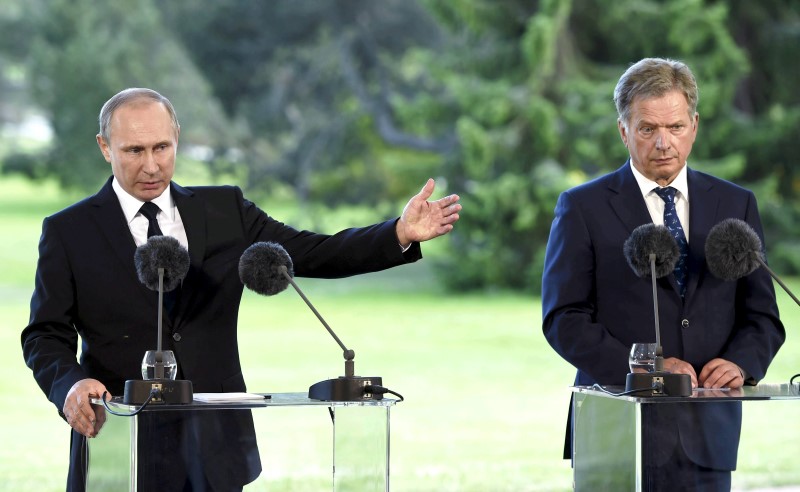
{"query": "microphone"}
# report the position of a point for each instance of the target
(161, 265)
(734, 250)
(651, 251)
(652, 239)
(266, 268)
(161, 253)
(261, 268)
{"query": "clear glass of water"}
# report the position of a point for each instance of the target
(149, 364)
(642, 357)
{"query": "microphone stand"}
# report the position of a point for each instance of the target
(159, 389)
(659, 382)
(774, 276)
(343, 388)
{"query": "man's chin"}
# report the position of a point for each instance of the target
(148, 193)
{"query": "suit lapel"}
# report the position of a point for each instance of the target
(702, 216)
(110, 221)
(192, 210)
(626, 199)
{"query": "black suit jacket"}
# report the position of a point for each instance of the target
(86, 284)
(595, 307)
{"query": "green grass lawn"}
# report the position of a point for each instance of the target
(486, 397)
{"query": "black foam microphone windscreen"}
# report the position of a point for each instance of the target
(733, 250)
(650, 239)
(260, 268)
(161, 252)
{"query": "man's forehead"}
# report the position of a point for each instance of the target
(141, 117)
(670, 105)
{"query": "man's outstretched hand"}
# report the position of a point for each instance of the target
(423, 220)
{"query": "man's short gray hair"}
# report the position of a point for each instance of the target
(128, 96)
(654, 77)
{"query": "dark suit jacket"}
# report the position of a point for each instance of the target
(595, 307)
(86, 284)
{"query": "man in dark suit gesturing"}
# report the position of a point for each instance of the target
(722, 334)
(87, 286)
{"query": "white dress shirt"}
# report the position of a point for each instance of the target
(169, 219)
(655, 205)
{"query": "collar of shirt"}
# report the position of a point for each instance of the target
(655, 205)
(169, 219)
(131, 205)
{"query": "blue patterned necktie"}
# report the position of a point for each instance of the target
(673, 224)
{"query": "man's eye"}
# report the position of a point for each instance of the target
(646, 130)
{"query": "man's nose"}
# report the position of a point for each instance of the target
(662, 139)
(150, 164)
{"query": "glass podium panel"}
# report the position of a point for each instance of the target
(605, 447)
(624, 442)
(361, 444)
(168, 447)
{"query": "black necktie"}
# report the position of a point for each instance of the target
(673, 224)
(150, 210)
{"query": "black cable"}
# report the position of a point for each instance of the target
(624, 393)
(380, 390)
(153, 393)
(791, 381)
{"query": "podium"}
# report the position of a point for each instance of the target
(611, 445)
(355, 436)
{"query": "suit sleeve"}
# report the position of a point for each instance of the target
(349, 252)
(569, 300)
(50, 341)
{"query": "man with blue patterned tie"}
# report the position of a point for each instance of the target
(722, 334)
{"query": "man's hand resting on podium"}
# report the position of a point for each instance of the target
(78, 410)
(721, 373)
(717, 373)
(677, 366)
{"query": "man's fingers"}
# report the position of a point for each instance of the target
(427, 190)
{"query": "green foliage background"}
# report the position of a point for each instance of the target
(506, 103)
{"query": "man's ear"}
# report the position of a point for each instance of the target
(623, 132)
(101, 142)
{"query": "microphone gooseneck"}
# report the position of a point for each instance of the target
(266, 268)
(651, 251)
(161, 265)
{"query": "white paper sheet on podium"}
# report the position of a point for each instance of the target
(228, 397)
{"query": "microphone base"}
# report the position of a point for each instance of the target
(167, 391)
(345, 388)
(658, 384)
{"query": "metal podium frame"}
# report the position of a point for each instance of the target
(356, 426)
(607, 444)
